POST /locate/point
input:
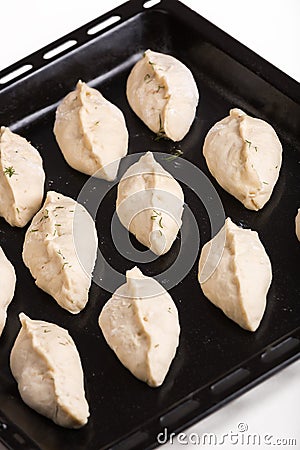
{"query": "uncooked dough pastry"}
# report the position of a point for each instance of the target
(91, 132)
(7, 287)
(140, 323)
(150, 204)
(46, 365)
(60, 250)
(21, 179)
(244, 154)
(163, 93)
(235, 274)
(297, 223)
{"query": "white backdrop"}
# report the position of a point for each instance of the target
(271, 28)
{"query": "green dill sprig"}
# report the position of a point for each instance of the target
(60, 254)
(250, 144)
(66, 263)
(159, 87)
(174, 155)
(157, 215)
(45, 215)
(147, 78)
(10, 171)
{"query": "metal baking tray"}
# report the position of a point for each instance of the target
(216, 360)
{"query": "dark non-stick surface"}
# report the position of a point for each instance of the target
(227, 75)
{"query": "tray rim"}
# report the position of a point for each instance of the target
(237, 50)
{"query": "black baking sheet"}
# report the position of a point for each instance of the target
(126, 413)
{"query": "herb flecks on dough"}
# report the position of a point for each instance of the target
(157, 215)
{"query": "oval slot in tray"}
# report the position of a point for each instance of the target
(279, 350)
(229, 381)
(15, 73)
(151, 3)
(178, 413)
(102, 25)
(59, 49)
